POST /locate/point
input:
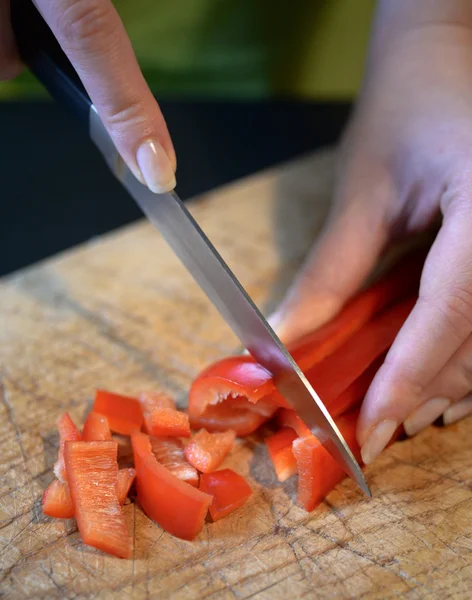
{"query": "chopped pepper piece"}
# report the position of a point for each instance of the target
(207, 450)
(241, 382)
(175, 505)
(67, 432)
(280, 451)
(124, 414)
(229, 490)
(57, 501)
(92, 472)
(318, 471)
(289, 418)
(223, 417)
(124, 482)
(167, 422)
(96, 428)
(150, 400)
(169, 452)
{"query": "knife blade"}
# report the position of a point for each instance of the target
(168, 213)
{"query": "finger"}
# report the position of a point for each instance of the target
(448, 387)
(437, 327)
(338, 264)
(458, 411)
(10, 64)
(92, 35)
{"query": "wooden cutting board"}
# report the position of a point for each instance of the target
(121, 313)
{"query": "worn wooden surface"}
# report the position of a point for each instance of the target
(121, 313)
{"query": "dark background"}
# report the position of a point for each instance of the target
(58, 192)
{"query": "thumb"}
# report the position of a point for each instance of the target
(336, 266)
(92, 35)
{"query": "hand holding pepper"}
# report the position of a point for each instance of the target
(406, 157)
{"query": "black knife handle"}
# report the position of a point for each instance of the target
(41, 52)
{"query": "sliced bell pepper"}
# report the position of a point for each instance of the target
(167, 422)
(229, 490)
(169, 452)
(318, 471)
(343, 377)
(124, 481)
(401, 282)
(289, 418)
(264, 406)
(57, 502)
(206, 451)
(223, 417)
(279, 447)
(355, 393)
(124, 414)
(234, 379)
(92, 472)
(150, 400)
(348, 400)
(96, 428)
(333, 375)
(67, 432)
(175, 505)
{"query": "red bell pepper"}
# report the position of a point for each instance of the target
(67, 432)
(167, 422)
(333, 375)
(240, 381)
(318, 471)
(279, 447)
(229, 490)
(264, 406)
(124, 414)
(175, 505)
(151, 405)
(289, 418)
(348, 400)
(92, 472)
(169, 452)
(124, 482)
(207, 451)
(57, 501)
(96, 428)
(151, 400)
(223, 417)
(355, 393)
(401, 282)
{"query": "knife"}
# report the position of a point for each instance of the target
(41, 52)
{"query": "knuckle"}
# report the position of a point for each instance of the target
(128, 113)
(88, 22)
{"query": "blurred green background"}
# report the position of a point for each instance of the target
(243, 48)
(243, 85)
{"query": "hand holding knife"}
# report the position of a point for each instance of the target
(42, 53)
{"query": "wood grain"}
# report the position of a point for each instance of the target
(121, 313)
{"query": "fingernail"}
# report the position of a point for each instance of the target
(424, 415)
(377, 440)
(155, 166)
(457, 411)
